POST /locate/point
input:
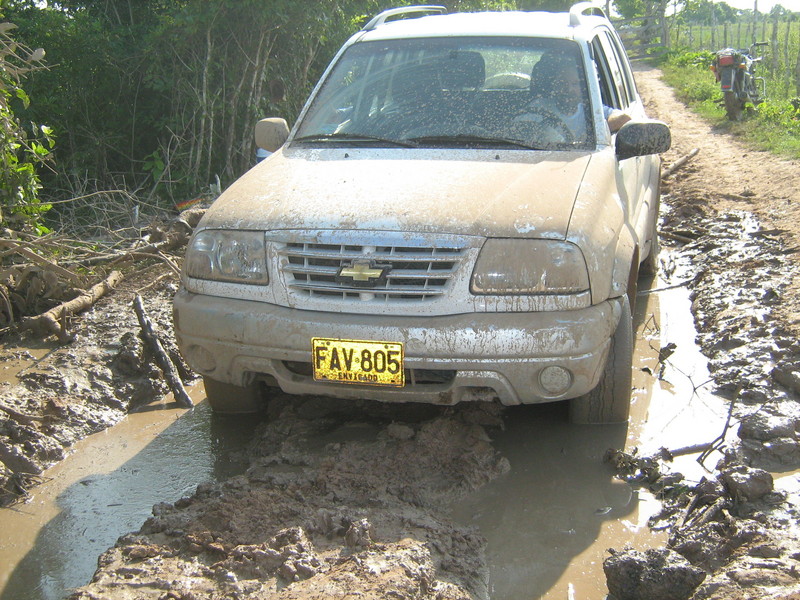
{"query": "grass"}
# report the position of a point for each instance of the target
(773, 126)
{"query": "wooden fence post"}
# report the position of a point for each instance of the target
(713, 29)
(774, 45)
(797, 74)
(786, 51)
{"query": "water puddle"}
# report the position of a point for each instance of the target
(20, 359)
(106, 488)
(550, 521)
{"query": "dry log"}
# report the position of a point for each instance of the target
(54, 320)
(164, 363)
(680, 162)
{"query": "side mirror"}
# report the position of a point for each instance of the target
(639, 138)
(271, 133)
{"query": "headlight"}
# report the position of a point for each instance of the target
(510, 266)
(220, 255)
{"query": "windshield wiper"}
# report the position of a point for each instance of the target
(473, 140)
(353, 138)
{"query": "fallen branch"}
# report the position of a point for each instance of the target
(19, 417)
(161, 256)
(693, 449)
(680, 162)
(720, 439)
(165, 364)
(664, 288)
(677, 237)
(708, 513)
(54, 320)
(176, 240)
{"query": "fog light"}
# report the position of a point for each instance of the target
(555, 380)
(200, 359)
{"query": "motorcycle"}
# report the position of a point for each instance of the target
(735, 72)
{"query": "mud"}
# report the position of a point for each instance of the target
(50, 401)
(337, 500)
(730, 217)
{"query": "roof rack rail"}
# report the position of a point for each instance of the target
(381, 18)
(584, 8)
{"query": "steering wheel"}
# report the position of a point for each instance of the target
(548, 119)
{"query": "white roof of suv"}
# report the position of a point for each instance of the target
(510, 23)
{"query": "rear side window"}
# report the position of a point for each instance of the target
(613, 85)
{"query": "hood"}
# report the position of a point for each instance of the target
(467, 192)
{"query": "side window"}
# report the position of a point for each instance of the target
(619, 68)
(617, 78)
(608, 91)
(622, 57)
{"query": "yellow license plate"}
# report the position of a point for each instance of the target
(360, 362)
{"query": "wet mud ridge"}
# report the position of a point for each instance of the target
(329, 507)
(732, 534)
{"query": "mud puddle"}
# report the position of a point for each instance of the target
(107, 487)
(550, 520)
(317, 472)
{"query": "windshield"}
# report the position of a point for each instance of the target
(454, 92)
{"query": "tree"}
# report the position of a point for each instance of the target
(161, 96)
(23, 146)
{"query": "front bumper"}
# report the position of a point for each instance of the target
(452, 358)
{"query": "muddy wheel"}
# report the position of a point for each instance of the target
(734, 107)
(610, 401)
(226, 398)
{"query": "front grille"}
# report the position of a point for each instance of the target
(411, 273)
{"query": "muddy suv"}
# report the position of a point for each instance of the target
(450, 219)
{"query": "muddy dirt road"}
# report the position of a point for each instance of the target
(475, 501)
(542, 527)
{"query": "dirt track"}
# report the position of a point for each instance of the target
(321, 515)
(726, 175)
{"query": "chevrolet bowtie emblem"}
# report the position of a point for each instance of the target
(363, 274)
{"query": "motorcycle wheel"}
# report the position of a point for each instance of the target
(734, 107)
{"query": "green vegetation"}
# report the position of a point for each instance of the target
(153, 102)
(24, 146)
(157, 99)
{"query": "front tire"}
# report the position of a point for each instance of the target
(229, 399)
(610, 401)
